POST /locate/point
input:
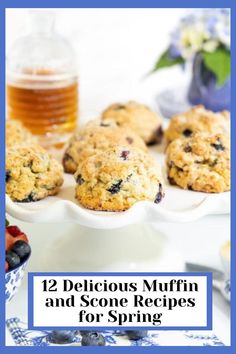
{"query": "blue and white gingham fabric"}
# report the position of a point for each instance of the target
(25, 337)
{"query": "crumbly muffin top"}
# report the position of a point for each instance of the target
(17, 134)
(201, 162)
(115, 179)
(31, 173)
(145, 122)
(196, 120)
(95, 136)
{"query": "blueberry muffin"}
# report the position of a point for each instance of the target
(97, 135)
(17, 134)
(115, 179)
(138, 117)
(200, 163)
(197, 120)
(31, 173)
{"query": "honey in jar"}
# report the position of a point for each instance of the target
(42, 83)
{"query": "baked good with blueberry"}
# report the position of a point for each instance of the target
(197, 120)
(31, 173)
(97, 136)
(200, 163)
(138, 117)
(17, 134)
(117, 178)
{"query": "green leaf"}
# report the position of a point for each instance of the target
(7, 223)
(219, 63)
(165, 61)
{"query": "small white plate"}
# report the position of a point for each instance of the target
(178, 206)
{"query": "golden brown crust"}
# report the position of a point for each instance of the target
(31, 174)
(200, 163)
(197, 120)
(17, 134)
(138, 117)
(117, 178)
(97, 136)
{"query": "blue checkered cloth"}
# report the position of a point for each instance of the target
(22, 336)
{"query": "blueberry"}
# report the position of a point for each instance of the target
(115, 188)
(21, 248)
(124, 154)
(28, 199)
(12, 259)
(187, 148)
(79, 180)
(8, 175)
(119, 106)
(129, 140)
(218, 146)
(84, 333)
(159, 195)
(135, 335)
(187, 132)
(93, 339)
(62, 337)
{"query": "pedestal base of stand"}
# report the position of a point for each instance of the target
(130, 249)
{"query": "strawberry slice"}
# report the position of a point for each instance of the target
(14, 230)
(9, 241)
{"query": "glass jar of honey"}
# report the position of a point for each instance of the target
(42, 82)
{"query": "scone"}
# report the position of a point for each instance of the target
(97, 135)
(31, 174)
(197, 120)
(138, 117)
(115, 179)
(200, 163)
(17, 134)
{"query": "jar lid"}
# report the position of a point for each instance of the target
(42, 53)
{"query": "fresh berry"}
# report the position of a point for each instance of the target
(187, 148)
(79, 180)
(119, 106)
(135, 335)
(187, 132)
(115, 188)
(218, 146)
(29, 199)
(62, 337)
(93, 339)
(12, 259)
(124, 154)
(159, 195)
(21, 248)
(14, 230)
(84, 333)
(129, 140)
(8, 175)
(9, 241)
(6, 266)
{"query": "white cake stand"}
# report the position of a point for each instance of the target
(124, 241)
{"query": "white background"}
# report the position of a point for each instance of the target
(116, 48)
(114, 53)
(68, 316)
